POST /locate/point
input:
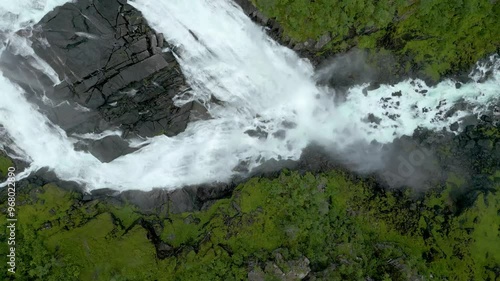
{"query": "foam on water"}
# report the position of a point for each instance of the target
(19, 14)
(261, 88)
(22, 15)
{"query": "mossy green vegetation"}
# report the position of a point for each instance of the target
(5, 163)
(433, 37)
(346, 228)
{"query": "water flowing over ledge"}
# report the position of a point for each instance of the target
(263, 99)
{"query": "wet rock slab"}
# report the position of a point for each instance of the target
(112, 63)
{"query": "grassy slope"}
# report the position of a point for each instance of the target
(346, 229)
(5, 163)
(431, 37)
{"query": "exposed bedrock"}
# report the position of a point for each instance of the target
(112, 61)
(116, 72)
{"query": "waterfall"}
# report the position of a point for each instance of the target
(268, 103)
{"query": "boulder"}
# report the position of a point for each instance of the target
(112, 63)
(109, 148)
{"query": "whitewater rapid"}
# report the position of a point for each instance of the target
(260, 86)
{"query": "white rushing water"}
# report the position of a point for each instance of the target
(259, 83)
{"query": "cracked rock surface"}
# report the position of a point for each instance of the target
(113, 63)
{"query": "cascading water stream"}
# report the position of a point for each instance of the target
(260, 86)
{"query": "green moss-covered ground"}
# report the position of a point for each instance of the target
(347, 229)
(431, 37)
(5, 163)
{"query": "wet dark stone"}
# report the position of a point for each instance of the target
(469, 122)
(486, 118)
(182, 200)
(139, 46)
(160, 39)
(280, 134)
(87, 197)
(397, 94)
(152, 40)
(163, 250)
(95, 99)
(104, 50)
(393, 116)
(258, 133)
(141, 56)
(110, 148)
(373, 119)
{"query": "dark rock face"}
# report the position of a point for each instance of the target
(161, 201)
(111, 62)
(109, 148)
